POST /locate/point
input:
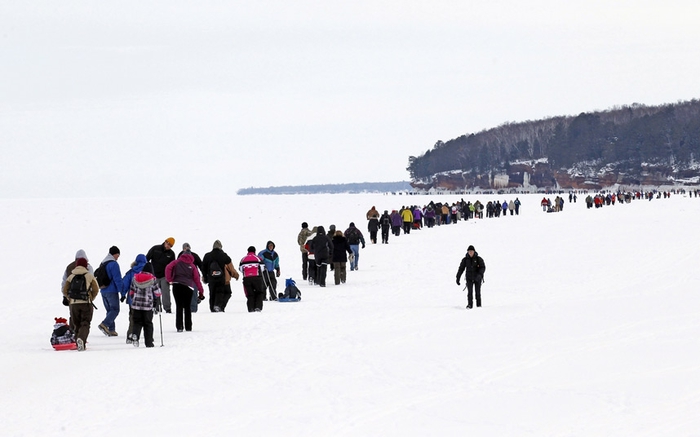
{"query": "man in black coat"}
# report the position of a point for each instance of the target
(160, 256)
(219, 286)
(322, 249)
(474, 267)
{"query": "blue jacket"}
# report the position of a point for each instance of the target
(270, 258)
(115, 277)
(137, 267)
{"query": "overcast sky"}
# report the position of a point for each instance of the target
(157, 97)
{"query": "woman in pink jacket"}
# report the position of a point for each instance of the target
(184, 277)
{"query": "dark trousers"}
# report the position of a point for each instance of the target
(183, 297)
(472, 287)
(219, 295)
(143, 319)
(340, 272)
(255, 292)
(304, 265)
(407, 227)
(312, 271)
(373, 236)
(271, 283)
(321, 269)
(385, 234)
(81, 315)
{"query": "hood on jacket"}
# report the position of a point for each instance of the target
(139, 262)
(187, 257)
(268, 244)
(144, 277)
(320, 231)
(81, 254)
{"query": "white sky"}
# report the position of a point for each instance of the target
(117, 98)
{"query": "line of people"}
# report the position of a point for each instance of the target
(146, 287)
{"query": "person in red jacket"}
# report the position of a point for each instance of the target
(184, 277)
(251, 267)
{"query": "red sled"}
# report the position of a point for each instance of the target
(65, 347)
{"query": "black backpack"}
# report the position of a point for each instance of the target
(103, 279)
(78, 288)
(216, 274)
(353, 237)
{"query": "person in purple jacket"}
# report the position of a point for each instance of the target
(396, 223)
(184, 277)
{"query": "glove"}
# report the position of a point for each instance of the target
(66, 302)
(458, 282)
(200, 298)
(157, 305)
(277, 273)
(363, 246)
(123, 298)
(478, 279)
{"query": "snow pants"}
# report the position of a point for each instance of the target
(255, 292)
(143, 320)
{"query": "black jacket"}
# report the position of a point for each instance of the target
(340, 249)
(159, 259)
(322, 245)
(218, 255)
(474, 268)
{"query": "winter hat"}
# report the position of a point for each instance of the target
(148, 268)
(114, 250)
(217, 244)
(61, 320)
(81, 254)
(186, 246)
(304, 225)
(352, 224)
(470, 248)
(170, 241)
(251, 249)
(81, 262)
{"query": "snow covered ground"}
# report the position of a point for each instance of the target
(590, 325)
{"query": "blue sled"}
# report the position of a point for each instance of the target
(287, 299)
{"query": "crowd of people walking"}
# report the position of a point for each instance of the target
(158, 278)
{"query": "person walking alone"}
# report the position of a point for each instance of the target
(473, 267)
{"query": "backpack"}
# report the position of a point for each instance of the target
(386, 220)
(216, 274)
(353, 237)
(103, 279)
(78, 288)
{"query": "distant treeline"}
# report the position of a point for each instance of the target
(625, 135)
(361, 187)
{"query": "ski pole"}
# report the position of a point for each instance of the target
(160, 317)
